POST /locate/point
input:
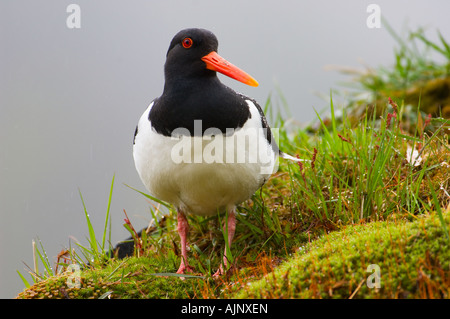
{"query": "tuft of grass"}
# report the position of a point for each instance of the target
(420, 77)
(94, 253)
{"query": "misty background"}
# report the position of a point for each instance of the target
(70, 98)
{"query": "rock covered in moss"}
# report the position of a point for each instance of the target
(410, 259)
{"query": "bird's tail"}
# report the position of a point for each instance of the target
(292, 158)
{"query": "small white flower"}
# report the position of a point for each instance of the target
(412, 156)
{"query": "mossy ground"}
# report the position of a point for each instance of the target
(413, 260)
(125, 279)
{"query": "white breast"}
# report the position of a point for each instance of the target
(201, 175)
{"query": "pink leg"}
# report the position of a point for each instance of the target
(231, 228)
(183, 228)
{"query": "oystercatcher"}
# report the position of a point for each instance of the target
(201, 146)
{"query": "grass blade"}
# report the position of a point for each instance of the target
(92, 239)
(25, 282)
(151, 197)
(107, 216)
(439, 210)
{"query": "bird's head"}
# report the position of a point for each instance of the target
(193, 54)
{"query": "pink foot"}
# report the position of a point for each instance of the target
(183, 228)
(231, 225)
(219, 272)
(184, 269)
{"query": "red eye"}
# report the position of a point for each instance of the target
(187, 43)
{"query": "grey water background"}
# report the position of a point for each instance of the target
(70, 98)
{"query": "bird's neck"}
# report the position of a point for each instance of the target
(178, 84)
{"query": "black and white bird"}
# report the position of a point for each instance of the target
(201, 146)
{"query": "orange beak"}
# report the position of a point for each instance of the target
(216, 63)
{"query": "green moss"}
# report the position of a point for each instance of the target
(413, 258)
(130, 278)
